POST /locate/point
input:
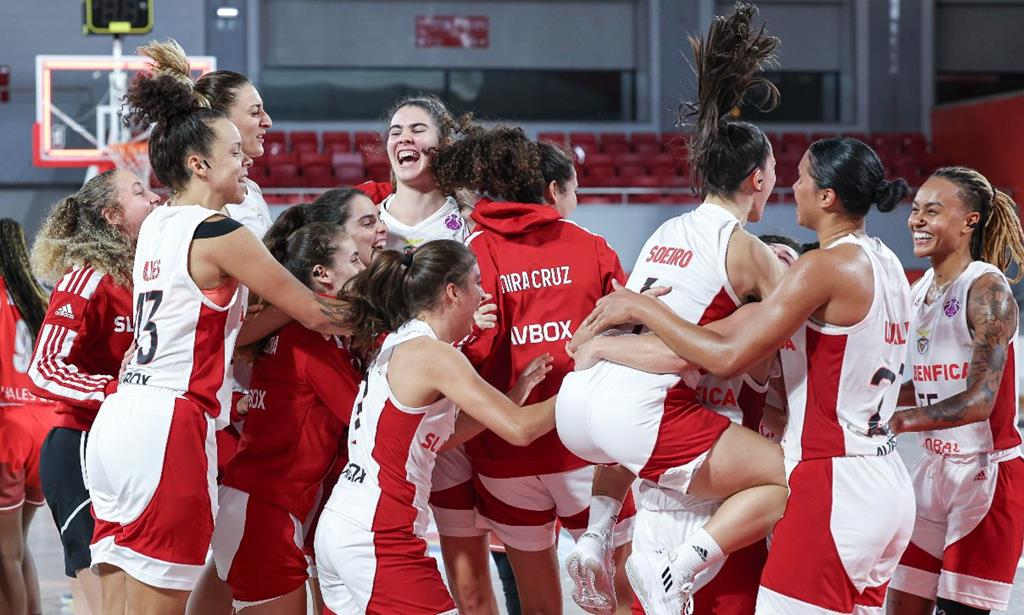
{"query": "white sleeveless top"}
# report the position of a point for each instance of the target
(941, 345)
(445, 223)
(253, 211)
(843, 382)
(391, 449)
(687, 254)
(185, 341)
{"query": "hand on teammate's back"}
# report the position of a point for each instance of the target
(534, 373)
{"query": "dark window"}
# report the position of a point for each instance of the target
(318, 94)
(951, 87)
(805, 97)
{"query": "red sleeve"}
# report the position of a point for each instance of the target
(479, 348)
(377, 191)
(609, 265)
(333, 378)
(77, 299)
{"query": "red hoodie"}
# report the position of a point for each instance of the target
(545, 274)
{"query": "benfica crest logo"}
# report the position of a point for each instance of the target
(922, 340)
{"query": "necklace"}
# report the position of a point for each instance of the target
(936, 291)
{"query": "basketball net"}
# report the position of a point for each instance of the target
(133, 156)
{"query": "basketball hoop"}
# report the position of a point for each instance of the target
(133, 156)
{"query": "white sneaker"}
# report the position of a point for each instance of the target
(592, 570)
(661, 589)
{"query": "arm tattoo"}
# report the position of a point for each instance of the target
(992, 318)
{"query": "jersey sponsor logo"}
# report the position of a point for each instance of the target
(538, 278)
(941, 447)
(538, 333)
(65, 311)
(896, 333)
(123, 324)
(431, 442)
(716, 396)
(17, 394)
(151, 270)
(666, 255)
(353, 473)
(257, 399)
(940, 371)
(951, 307)
(134, 377)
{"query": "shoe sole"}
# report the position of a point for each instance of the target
(584, 579)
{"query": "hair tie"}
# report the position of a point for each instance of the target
(407, 260)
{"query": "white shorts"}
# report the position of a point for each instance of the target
(969, 530)
(452, 495)
(376, 573)
(522, 511)
(666, 519)
(847, 522)
(151, 469)
(660, 435)
(257, 548)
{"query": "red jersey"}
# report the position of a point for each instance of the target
(545, 274)
(300, 400)
(377, 191)
(87, 330)
(15, 354)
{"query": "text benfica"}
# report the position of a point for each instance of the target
(940, 371)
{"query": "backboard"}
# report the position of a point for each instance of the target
(78, 106)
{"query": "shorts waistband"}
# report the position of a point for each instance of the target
(983, 456)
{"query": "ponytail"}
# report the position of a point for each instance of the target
(397, 287)
(23, 289)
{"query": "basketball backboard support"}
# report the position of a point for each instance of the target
(78, 106)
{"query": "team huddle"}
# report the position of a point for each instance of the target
(225, 412)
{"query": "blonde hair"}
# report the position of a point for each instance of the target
(998, 238)
(76, 234)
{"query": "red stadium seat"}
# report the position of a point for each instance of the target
(367, 141)
(302, 139)
(615, 147)
(794, 142)
(663, 165)
(337, 141)
(348, 167)
(378, 172)
(598, 199)
(279, 158)
(558, 138)
(274, 148)
(582, 137)
(274, 136)
(312, 158)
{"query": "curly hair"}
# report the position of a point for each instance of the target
(25, 293)
(76, 234)
(396, 287)
(167, 97)
(502, 162)
(998, 238)
(728, 65)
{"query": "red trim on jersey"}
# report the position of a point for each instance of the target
(720, 307)
(686, 431)
(751, 403)
(393, 442)
(1003, 420)
(491, 507)
(456, 497)
(822, 434)
(208, 359)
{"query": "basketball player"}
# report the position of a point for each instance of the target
(840, 317)
(303, 388)
(369, 543)
(24, 421)
(545, 274)
(152, 523)
(969, 481)
(85, 249)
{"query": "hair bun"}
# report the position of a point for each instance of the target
(889, 193)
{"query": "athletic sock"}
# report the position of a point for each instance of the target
(700, 551)
(604, 512)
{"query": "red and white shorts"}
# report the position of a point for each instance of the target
(661, 436)
(847, 522)
(151, 469)
(522, 511)
(452, 495)
(377, 573)
(257, 548)
(22, 431)
(665, 519)
(969, 531)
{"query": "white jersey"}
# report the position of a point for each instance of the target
(253, 211)
(734, 398)
(687, 254)
(391, 449)
(941, 345)
(445, 223)
(843, 382)
(185, 340)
